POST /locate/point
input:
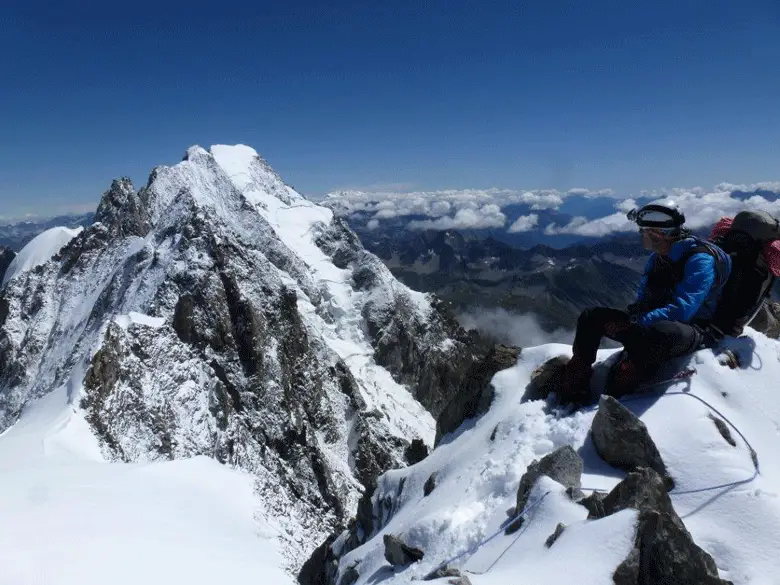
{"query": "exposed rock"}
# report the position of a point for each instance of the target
(416, 451)
(349, 576)
(430, 484)
(563, 465)
(622, 440)
(122, 212)
(594, 503)
(320, 568)
(545, 378)
(7, 256)
(723, 429)
(455, 576)
(664, 551)
(641, 490)
(475, 393)
(767, 321)
(555, 535)
(398, 553)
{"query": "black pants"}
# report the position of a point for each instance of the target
(650, 346)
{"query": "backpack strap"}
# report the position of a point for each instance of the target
(702, 247)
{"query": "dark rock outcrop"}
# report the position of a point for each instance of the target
(416, 451)
(6, 257)
(622, 440)
(475, 393)
(723, 429)
(398, 553)
(555, 535)
(664, 551)
(545, 378)
(430, 484)
(563, 465)
(122, 212)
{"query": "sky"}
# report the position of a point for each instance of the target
(397, 96)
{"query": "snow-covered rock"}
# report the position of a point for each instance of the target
(722, 523)
(216, 312)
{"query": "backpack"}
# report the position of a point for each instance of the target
(751, 279)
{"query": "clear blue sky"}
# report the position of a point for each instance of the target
(450, 94)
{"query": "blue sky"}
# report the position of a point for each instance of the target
(404, 94)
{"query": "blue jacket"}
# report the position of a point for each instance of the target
(697, 294)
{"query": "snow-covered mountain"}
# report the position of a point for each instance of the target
(217, 313)
(722, 516)
(215, 381)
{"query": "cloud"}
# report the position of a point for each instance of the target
(487, 216)
(524, 223)
(436, 203)
(482, 208)
(588, 193)
(518, 329)
(702, 209)
(773, 186)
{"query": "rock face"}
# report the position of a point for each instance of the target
(622, 440)
(664, 551)
(217, 312)
(6, 257)
(475, 393)
(546, 378)
(398, 553)
(563, 465)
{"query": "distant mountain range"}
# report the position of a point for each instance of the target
(466, 270)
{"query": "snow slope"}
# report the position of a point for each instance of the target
(477, 480)
(39, 250)
(68, 517)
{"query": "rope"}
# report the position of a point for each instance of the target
(480, 544)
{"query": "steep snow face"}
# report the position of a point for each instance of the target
(477, 470)
(217, 312)
(39, 250)
(71, 518)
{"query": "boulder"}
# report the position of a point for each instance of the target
(398, 553)
(622, 440)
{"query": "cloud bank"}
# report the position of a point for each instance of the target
(487, 208)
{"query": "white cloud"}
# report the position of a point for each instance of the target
(702, 209)
(481, 208)
(518, 329)
(373, 224)
(765, 186)
(524, 223)
(487, 216)
(589, 193)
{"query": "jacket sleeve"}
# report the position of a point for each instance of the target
(689, 295)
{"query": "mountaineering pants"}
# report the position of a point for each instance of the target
(651, 346)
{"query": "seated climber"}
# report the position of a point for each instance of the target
(678, 293)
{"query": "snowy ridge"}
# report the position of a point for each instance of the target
(478, 468)
(39, 250)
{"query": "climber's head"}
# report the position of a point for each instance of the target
(660, 226)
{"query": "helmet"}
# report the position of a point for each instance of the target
(664, 217)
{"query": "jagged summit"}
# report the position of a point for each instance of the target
(217, 312)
